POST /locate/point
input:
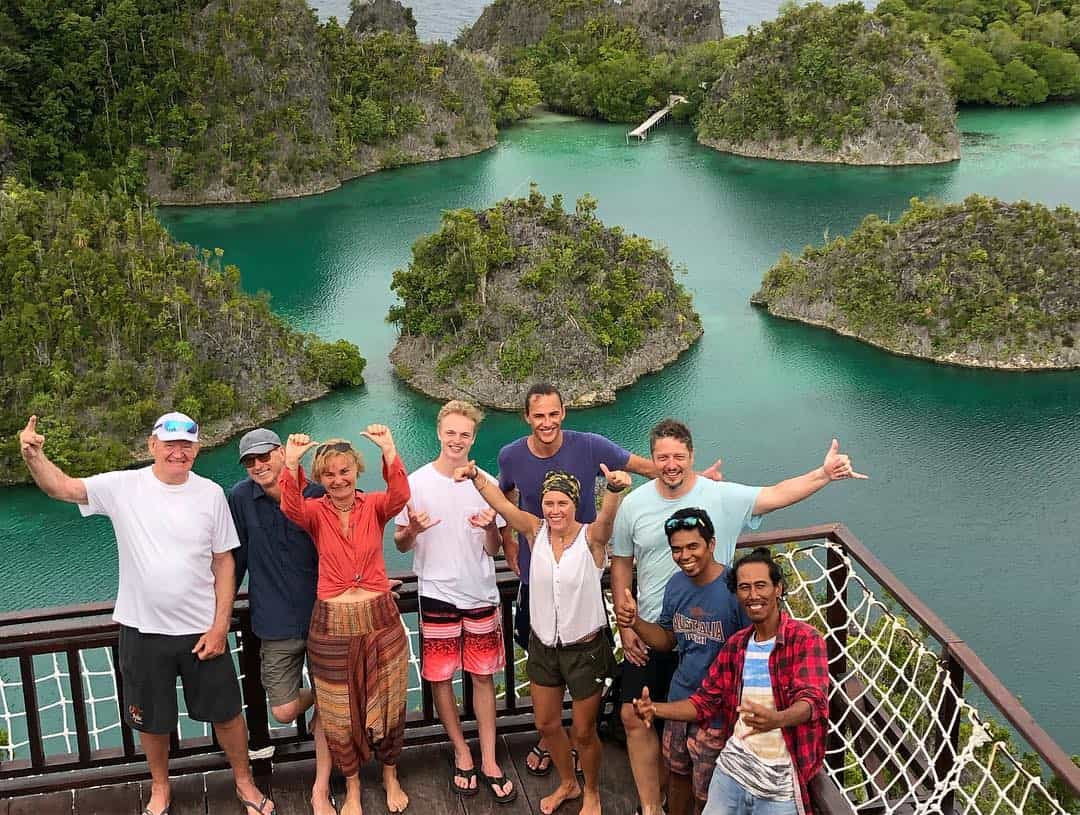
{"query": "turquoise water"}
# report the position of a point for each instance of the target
(972, 499)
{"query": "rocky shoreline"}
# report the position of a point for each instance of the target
(412, 366)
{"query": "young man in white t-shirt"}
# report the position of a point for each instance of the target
(174, 536)
(455, 536)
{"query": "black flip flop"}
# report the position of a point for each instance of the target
(469, 775)
(495, 781)
(542, 755)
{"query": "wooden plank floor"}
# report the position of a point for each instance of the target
(425, 774)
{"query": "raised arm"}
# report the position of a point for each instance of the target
(397, 481)
(836, 467)
(524, 522)
(52, 481)
(292, 482)
(618, 482)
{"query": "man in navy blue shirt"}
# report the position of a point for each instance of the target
(283, 569)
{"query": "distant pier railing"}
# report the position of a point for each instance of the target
(902, 735)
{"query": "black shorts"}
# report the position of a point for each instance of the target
(149, 665)
(656, 673)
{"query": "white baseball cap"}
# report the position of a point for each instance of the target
(176, 427)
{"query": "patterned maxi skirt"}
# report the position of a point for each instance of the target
(359, 664)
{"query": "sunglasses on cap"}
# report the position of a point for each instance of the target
(177, 426)
(336, 447)
(250, 459)
(688, 522)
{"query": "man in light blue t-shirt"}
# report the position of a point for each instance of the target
(639, 538)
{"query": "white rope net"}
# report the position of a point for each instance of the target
(892, 742)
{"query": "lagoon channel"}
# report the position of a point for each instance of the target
(973, 493)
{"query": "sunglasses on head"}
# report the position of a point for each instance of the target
(689, 522)
(336, 447)
(250, 459)
(177, 426)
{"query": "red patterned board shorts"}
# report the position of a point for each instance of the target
(692, 750)
(455, 638)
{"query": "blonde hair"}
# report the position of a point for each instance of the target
(460, 407)
(326, 450)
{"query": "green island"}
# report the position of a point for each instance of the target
(1000, 52)
(527, 290)
(832, 85)
(224, 102)
(597, 58)
(106, 323)
(981, 283)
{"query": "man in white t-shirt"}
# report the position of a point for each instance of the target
(456, 537)
(174, 536)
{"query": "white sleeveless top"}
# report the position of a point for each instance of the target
(565, 600)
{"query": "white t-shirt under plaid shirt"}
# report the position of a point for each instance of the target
(166, 536)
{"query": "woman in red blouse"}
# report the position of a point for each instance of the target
(357, 646)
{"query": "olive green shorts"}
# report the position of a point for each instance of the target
(581, 667)
(282, 669)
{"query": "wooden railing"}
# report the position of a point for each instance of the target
(65, 631)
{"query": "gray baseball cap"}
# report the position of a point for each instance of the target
(259, 440)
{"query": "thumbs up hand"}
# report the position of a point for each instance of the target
(617, 480)
(626, 610)
(644, 707)
(837, 465)
(30, 441)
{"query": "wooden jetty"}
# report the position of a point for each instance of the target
(642, 130)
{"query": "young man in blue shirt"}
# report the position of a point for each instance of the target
(283, 570)
(699, 612)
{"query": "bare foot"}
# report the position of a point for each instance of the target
(320, 804)
(396, 799)
(590, 804)
(564, 792)
(352, 806)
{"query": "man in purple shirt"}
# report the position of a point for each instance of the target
(522, 467)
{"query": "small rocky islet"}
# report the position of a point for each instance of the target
(983, 283)
(528, 290)
(836, 85)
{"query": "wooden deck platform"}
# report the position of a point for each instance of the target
(425, 773)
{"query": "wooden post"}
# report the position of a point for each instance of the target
(836, 616)
(949, 720)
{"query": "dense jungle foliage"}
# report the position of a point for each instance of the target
(596, 58)
(527, 289)
(1000, 52)
(251, 96)
(823, 76)
(981, 282)
(106, 323)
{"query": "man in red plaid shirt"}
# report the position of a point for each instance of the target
(767, 693)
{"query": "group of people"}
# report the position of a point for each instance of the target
(735, 686)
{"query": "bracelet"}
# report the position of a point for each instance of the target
(475, 475)
(614, 491)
